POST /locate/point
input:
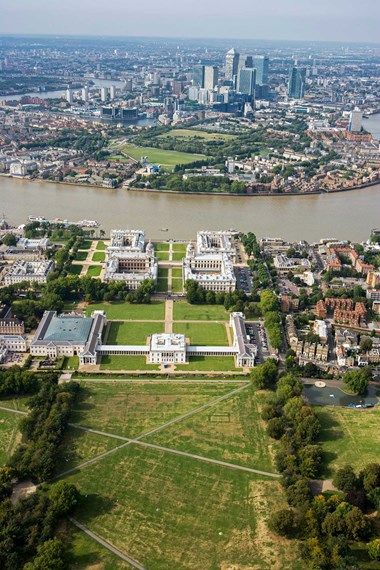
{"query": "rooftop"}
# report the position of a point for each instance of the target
(74, 329)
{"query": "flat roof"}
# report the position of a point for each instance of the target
(74, 329)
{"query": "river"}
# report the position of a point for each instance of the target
(344, 215)
(57, 93)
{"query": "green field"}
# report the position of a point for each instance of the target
(75, 269)
(164, 158)
(162, 255)
(175, 513)
(176, 273)
(9, 435)
(162, 247)
(86, 245)
(15, 403)
(99, 256)
(124, 311)
(190, 133)
(207, 363)
(94, 270)
(349, 436)
(177, 255)
(162, 285)
(70, 362)
(101, 245)
(231, 431)
(179, 247)
(183, 311)
(121, 362)
(132, 333)
(177, 286)
(212, 334)
(81, 256)
(130, 410)
(162, 272)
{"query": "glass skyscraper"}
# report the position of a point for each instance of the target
(261, 64)
(296, 84)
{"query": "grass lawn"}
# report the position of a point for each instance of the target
(165, 158)
(163, 272)
(70, 362)
(162, 255)
(162, 285)
(10, 436)
(162, 247)
(177, 256)
(16, 402)
(99, 256)
(94, 270)
(101, 245)
(177, 273)
(177, 285)
(78, 446)
(132, 333)
(176, 513)
(81, 256)
(349, 436)
(120, 310)
(183, 311)
(179, 247)
(212, 334)
(130, 410)
(84, 553)
(75, 269)
(208, 363)
(122, 362)
(190, 133)
(86, 245)
(231, 431)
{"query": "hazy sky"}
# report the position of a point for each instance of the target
(336, 20)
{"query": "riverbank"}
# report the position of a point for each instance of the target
(165, 191)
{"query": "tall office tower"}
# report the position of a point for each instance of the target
(211, 76)
(85, 94)
(69, 95)
(355, 124)
(128, 85)
(296, 84)
(249, 62)
(261, 64)
(232, 64)
(104, 94)
(112, 92)
(199, 75)
(246, 81)
(193, 93)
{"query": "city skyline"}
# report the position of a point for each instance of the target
(294, 20)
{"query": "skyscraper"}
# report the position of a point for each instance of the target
(199, 75)
(85, 93)
(246, 81)
(296, 84)
(69, 95)
(104, 94)
(232, 63)
(261, 64)
(211, 76)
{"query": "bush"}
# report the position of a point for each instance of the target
(374, 549)
(276, 428)
(283, 522)
(345, 479)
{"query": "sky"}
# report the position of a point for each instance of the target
(321, 20)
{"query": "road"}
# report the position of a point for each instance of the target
(107, 545)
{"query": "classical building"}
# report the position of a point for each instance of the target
(212, 271)
(127, 261)
(167, 348)
(284, 264)
(217, 242)
(69, 335)
(14, 342)
(32, 271)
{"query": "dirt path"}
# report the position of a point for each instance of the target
(169, 307)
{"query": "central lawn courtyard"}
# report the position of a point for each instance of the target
(122, 310)
(125, 362)
(165, 158)
(349, 436)
(131, 409)
(132, 333)
(176, 513)
(183, 311)
(212, 334)
(101, 245)
(99, 256)
(208, 363)
(81, 256)
(94, 270)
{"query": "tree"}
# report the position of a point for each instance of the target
(345, 479)
(358, 527)
(356, 381)
(374, 549)
(370, 477)
(365, 344)
(268, 302)
(264, 375)
(283, 522)
(50, 556)
(299, 494)
(64, 497)
(276, 428)
(9, 239)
